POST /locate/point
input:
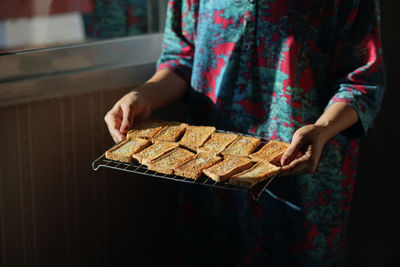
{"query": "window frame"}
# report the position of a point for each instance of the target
(52, 72)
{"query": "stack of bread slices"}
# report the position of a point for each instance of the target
(192, 151)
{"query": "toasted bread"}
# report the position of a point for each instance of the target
(147, 128)
(195, 136)
(169, 161)
(228, 167)
(171, 132)
(217, 142)
(242, 146)
(124, 150)
(194, 167)
(270, 152)
(154, 151)
(250, 177)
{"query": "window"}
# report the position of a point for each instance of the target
(33, 24)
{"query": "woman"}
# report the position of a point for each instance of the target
(305, 72)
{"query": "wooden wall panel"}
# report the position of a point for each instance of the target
(11, 235)
(55, 208)
(47, 181)
(69, 182)
(85, 184)
(26, 170)
(97, 136)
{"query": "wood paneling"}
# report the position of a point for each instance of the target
(11, 234)
(47, 180)
(26, 170)
(69, 182)
(55, 209)
(87, 206)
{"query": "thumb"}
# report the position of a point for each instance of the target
(127, 118)
(291, 152)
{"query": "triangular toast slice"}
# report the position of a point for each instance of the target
(195, 136)
(217, 142)
(169, 161)
(194, 167)
(147, 128)
(171, 132)
(270, 152)
(124, 150)
(242, 146)
(258, 173)
(228, 167)
(154, 151)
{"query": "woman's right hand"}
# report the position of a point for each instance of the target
(161, 89)
(131, 107)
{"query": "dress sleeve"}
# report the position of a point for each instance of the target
(178, 44)
(357, 69)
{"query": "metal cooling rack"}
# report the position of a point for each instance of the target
(133, 167)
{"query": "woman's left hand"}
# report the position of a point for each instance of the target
(308, 142)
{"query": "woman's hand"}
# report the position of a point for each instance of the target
(121, 117)
(161, 89)
(308, 142)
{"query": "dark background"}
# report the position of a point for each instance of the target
(373, 237)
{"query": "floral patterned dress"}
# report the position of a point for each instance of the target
(116, 18)
(269, 67)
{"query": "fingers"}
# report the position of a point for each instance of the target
(291, 152)
(113, 121)
(121, 117)
(305, 164)
(127, 118)
(295, 167)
